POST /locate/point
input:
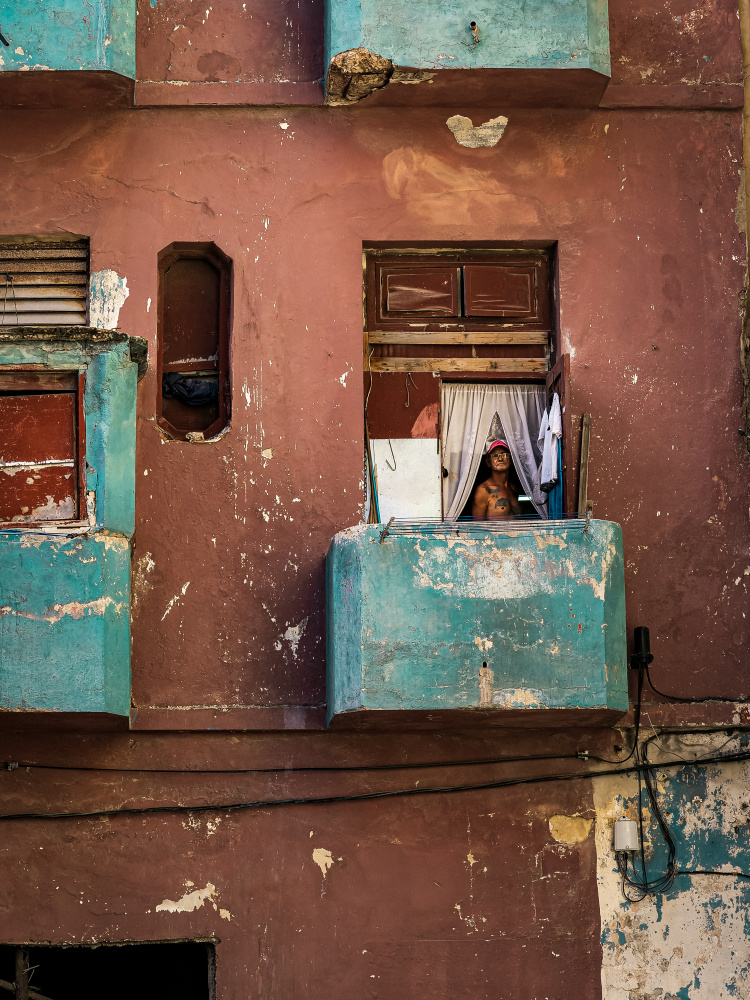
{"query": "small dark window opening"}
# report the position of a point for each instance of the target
(42, 447)
(182, 970)
(193, 357)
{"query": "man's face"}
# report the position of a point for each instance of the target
(499, 459)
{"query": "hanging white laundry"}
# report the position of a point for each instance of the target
(550, 434)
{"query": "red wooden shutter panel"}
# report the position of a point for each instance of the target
(429, 291)
(38, 457)
(500, 290)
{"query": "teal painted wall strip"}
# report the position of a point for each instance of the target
(69, 35)
(435, 34)
(65, 623)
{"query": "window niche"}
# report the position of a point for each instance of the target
(193, 396)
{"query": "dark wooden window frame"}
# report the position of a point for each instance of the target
(419, 342)
(554, 373)
(223, 264)
(38, 380)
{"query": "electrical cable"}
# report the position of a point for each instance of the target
(364, 796)
(12, 765)
(643, 885)
(695, 701)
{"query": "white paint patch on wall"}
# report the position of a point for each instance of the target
(107, 294)
(408, 477)
(189, 902)
(473, 137)
(175, 599)
(293, 635)
(686, 943)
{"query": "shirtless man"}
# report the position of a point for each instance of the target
(495, 498)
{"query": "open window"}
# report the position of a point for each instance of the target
(193, 400)
(42, 447)
(155, 971)
(459, 350)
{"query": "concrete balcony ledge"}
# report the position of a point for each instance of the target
(461, 624)
(518, 53)
(67, 53)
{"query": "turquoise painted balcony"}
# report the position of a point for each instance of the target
(523, 53)
(67, 53)
(67, 514)
(511, 623)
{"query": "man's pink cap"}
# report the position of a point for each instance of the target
(497, 444)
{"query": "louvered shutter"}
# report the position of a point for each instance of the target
(43, 282)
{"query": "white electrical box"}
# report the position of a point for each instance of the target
(626, 835)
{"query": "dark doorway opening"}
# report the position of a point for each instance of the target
(165, 971)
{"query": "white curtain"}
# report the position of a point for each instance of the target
(472, 417)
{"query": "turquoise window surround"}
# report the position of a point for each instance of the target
(65, 589)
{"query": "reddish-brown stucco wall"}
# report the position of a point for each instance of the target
(650, 265)
(228, 613)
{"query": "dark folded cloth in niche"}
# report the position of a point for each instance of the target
(193, 391)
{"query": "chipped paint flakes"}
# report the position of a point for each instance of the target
(175, 599)
(189, 902)
(323, 859)
(570, 829)
(518, 698)
(293, 635)
(107, 294)
(474, 136)
(74, 609)
(486, 678)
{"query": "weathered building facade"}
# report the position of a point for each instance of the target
(402, 781)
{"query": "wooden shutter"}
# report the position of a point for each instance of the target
(501, 290)
(456, 310)
(43, 282)
(429, 291)
(41, 447)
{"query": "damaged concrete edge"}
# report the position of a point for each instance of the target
(357, 73)
(473, 136)
(139, 354)
(80, 335)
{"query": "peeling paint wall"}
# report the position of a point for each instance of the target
(258, 513)
(691, 941)
(107, 294)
